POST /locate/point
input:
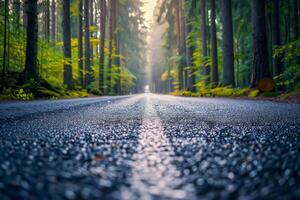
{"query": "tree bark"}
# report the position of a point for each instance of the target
(214, 47)
(178, 36)
(227, 34)
(296, 18)
(4, 46)
(47, 20)
(110, 42)
(91, 13)
(87, 46)
(31, 68)
(204, 40)
(67, 44)
(117, 43)
(260, 63)
(80, 44)
(53, 21)
(25, 7)
(277, 36)
(102, 43)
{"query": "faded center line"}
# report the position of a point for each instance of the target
(153, 174)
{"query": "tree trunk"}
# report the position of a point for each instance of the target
(47, 20)
(102, 43)
(277, 36)
(117, 43)
(67, 44)
(296, 18)
(25, 7)
(204, 40)
(53, 21)
(80, 44)
(227, 34)
(178, 36)
(4, 46)
(87, 46)
(260, 65)
(31, 68)
(91, 13)
(214, 47)
(189, 60)
(110, 42)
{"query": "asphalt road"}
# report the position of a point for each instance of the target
(149, 147)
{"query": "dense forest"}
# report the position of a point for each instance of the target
(219, 47)
(71, 48)
(55, 48)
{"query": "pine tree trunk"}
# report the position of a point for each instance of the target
(31, 68)
(117, 43)
(47, 20)
(53, 21)
(178, 36)
(102, 43)
(204, 39)
(87, 46)
(91, 13)
(67, 44)
(227, 34)
(296, 18)
(260, 65)
(110, 43)
(25, 7)
(189, 61)
(80, 44)
(214, 47)
(4, 46)
(277, 36)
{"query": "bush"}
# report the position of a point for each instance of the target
(253, 93)
(23, 96)
(270, 94)
(42, 92)
(96, 91)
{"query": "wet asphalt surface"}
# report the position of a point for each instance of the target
(149, 147)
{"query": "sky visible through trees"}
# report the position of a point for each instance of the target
(114, 47)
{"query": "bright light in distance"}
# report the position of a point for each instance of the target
(147, 89)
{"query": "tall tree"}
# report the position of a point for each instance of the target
(296, 19)
(91, 20)
(67, 44)
(31, 68)
(179, 45)
(47, 19)
(25, 7)
(227, 35)
(214, 47)
(80, 44)
(204, 38)
(4, 46)
(277, 36)
(102, 43)
(87, 46)
(117, 43)
(110, 42)
(53, 20)
(260, 63)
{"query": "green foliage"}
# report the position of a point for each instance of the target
(270, 94)
(253, 93)
(23, 96)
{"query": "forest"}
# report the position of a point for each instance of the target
(73, 48)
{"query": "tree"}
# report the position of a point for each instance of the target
(4, 46)
(276, 36)
(179, 44)
(87, 46)
(80, 44)
(204, 38)
(102, 43)
(47, 19)
(227, 35)
(53, 21)
(67, 44)
(296, 19)
(260, 63)
(214, 47)
(111, 41)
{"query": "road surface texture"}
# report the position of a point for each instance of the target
(149, 147)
